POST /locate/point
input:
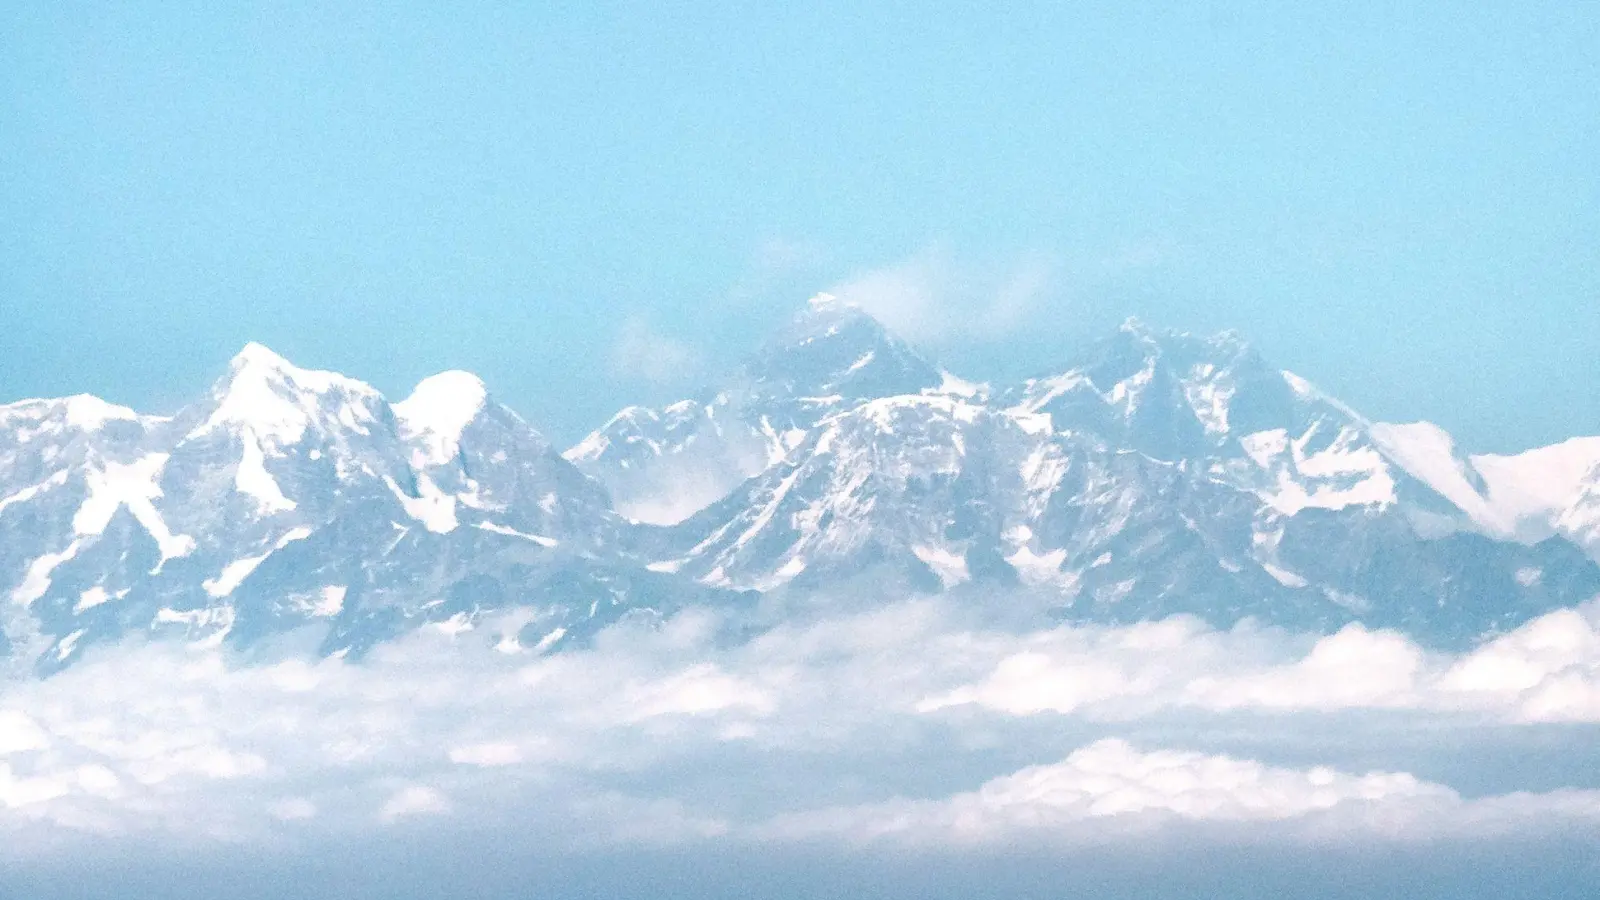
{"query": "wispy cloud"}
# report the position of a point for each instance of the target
(778, 265)
(933, 297)
(640, 351)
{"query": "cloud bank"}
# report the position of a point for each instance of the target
(907, 723)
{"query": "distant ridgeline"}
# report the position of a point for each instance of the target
(1158, 474)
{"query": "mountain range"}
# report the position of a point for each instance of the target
(1156, 473)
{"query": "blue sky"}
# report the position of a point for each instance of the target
(1400, 201)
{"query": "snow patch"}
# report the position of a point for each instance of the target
(134, 485)
(67, 644)
(539, 539)
(330, 602)
(546, 642)
(28, 493)
(435, 509)
(1037, 568)
(214, 622)
(37, 580)
(252, 478)
(958, 387)
(1283, 576)
(95, 596)
(1345, 473)
(458, 624)
(234, 573)
(949, 566)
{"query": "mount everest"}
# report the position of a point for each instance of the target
(1157, 474)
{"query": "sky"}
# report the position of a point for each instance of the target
(597, 204)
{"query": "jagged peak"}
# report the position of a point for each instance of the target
(1230, 339)
(827, 315)
(1136, 326)
(1137, 346)
(823, 311)
(275, 400)
(833, 342)
(258, 355)
(258, 362)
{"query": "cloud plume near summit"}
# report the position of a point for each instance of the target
(934, 298)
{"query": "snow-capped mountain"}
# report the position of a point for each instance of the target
(663, 465)
(1156, 473)
(288, 497)
(1160, 473)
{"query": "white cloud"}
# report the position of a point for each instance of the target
(697, 690)
(486, 755)
(414, 800)
(19, 733)
(1546, 671)
(777, 263)
(1353, 668)
(641, 352)
(292, 809)
(1110, 786)
(932, 298)
(714, 737)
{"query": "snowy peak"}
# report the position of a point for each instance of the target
(833, 347)
(1137, 348)
(1173, 395)
(1524, 497)
(661, 466)
(438, 411)
(80, 412)
(258, 356)
(278, 402)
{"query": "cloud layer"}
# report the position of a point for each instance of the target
(904, 723)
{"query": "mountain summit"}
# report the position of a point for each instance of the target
(663, 465)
